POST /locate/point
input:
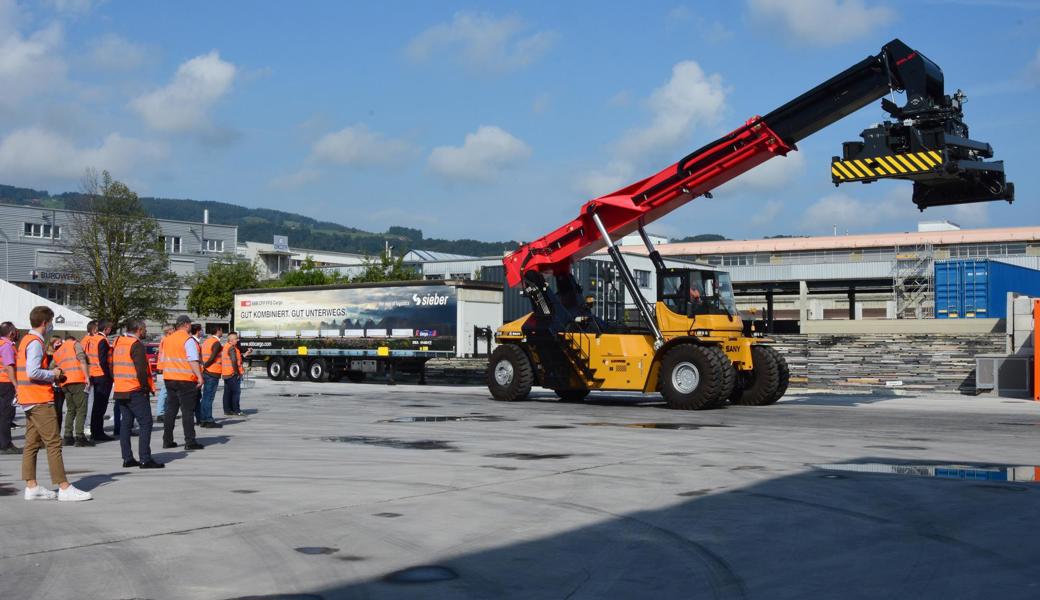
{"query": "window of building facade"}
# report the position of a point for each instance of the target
(214, 245)
(42, 230)
(172, 243)
(642, 278)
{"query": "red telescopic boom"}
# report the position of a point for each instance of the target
(623, 211)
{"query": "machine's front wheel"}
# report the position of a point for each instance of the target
(691, 377)
(510, 375)
(759, 386)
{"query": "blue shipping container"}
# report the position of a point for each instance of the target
(976, 288)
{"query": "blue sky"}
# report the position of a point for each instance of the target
(489, 120)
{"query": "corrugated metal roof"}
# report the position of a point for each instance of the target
(872, 240)
(429, 255)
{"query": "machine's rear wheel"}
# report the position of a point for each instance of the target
(691, 377)
(571, 395)
(729, 375)
(784, 373)
(510, 375)
(276, 369)
(759, 386)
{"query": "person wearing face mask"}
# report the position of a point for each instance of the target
(8, 336)
(36, 379)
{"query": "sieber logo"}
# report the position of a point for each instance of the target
(429, 300)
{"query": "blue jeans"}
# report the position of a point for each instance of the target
(204, 411)
(160, 400)
(232, 394)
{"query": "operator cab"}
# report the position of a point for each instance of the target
(694, 292)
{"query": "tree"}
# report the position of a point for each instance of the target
(213, 292)
(117, 253)
(386, 268)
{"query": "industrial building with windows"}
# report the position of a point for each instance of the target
(34, 241)
(868, 276)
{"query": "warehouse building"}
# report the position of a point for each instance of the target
(34, 239)
(889, 275)
(278, 257)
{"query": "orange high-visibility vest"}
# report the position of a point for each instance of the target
(90, 346)
(161, 358)
(229, 360)
(124, 373)
(175, 363)
(207, 351)
(66, 358)
(4, 378)
(29, 391)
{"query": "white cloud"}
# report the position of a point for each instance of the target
(768, 214)
(614, 176)
(358, 146)
(681, 18)
(821, 22)
(481, 157)
(184, 104)
(852, 214)
(296, 179)
(772, 175)
(113, 53)
(482, 42)
(72, 6)
(689, 99)
(541, 103)
(28, 65)
(31, 153)
(1033, 69)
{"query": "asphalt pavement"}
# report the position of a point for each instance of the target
(369, 491)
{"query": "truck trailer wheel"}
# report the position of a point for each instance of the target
(691, 377)
(294, 369)
(571, 395)
(276, 369)
(759, 386)
(510, 375)
(318, 370)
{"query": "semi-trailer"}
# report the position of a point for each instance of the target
(349, 331)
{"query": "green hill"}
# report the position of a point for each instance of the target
(261, 224)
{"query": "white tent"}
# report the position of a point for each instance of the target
(15, 304)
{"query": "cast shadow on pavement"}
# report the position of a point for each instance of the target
(815, 534)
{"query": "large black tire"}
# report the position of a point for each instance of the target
(295, 370)
(784, 373)
(318, 370)
(691, 377)
(729, 375)
(758, 386)
(510, 375)
(571, 395)
(276, 369)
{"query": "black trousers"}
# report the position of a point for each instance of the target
(6, 413)
(139, 407)
(182, 396)
(59, 404)
(102, 390)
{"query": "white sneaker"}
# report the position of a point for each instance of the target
(39, 493)
(72, 494)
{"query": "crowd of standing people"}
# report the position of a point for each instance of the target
(44, 374)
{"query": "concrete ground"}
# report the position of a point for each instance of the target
(320, 493)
